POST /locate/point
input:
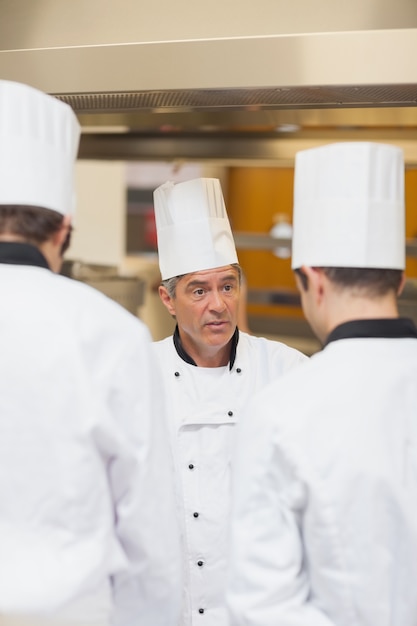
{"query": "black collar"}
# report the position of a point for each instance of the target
(186, 357)
(392, 328)
(17, 253)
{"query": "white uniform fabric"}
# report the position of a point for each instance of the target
(192, 226)
(324, 525)
(206, 405)
(39, 138)
(349, 206)
(87, 515)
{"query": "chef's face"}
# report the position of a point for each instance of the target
(205, 307)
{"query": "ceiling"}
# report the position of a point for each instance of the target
(244, 85)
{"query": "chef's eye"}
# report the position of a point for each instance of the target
(199, 292)
(228, 287)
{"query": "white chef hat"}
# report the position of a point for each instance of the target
(349, 206)
(38, 147)
(192, 227)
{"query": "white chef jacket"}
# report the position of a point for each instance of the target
(87, 515)
(206, 404)
(324, 528)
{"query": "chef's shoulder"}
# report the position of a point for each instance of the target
(91, 311)
(288, 401)
(283, 358)
(163, 348)
(280, 411)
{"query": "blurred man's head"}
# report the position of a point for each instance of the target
(349, 231)
(39, 138)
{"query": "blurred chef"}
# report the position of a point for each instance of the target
(210, 370)
(87, 521)
(324, 528)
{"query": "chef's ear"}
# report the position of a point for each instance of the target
(311, 280)
(305, 276)
(317, 280)
(65, 237)
(59, 236)
(302, 279)
(402, 284)
(166, 299)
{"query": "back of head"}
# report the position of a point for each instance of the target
(39, 138)
(192, 226)
(349, 207)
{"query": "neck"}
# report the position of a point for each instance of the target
(351, 307)
(48, 249)
(12, 238)
(220, 359)
(206, 355)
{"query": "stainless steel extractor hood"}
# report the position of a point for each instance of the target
(241, 91)
(342, 69)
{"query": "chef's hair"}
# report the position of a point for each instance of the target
(170, 284)
(371, 282)
(34, 225)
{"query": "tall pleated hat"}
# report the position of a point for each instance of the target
(192, 226)
(349, 206)
(39, 138)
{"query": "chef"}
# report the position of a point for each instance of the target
(88, 532)
(324, 528)
(210, 370)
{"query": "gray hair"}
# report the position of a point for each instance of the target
(170, 284)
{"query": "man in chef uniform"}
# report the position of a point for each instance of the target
(324, 529)
(88, 529)
(210, 371)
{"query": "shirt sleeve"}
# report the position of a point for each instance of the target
(147, 592)
(268, 581)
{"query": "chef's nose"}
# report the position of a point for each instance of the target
(216, 301)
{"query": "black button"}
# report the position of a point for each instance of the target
(177, 374)
(200, 563)
(201, 610)
(196, 514)
(238, 370)
(191, 466)
(230, 413)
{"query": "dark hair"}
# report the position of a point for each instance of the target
(372, 281)
(33, 224)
